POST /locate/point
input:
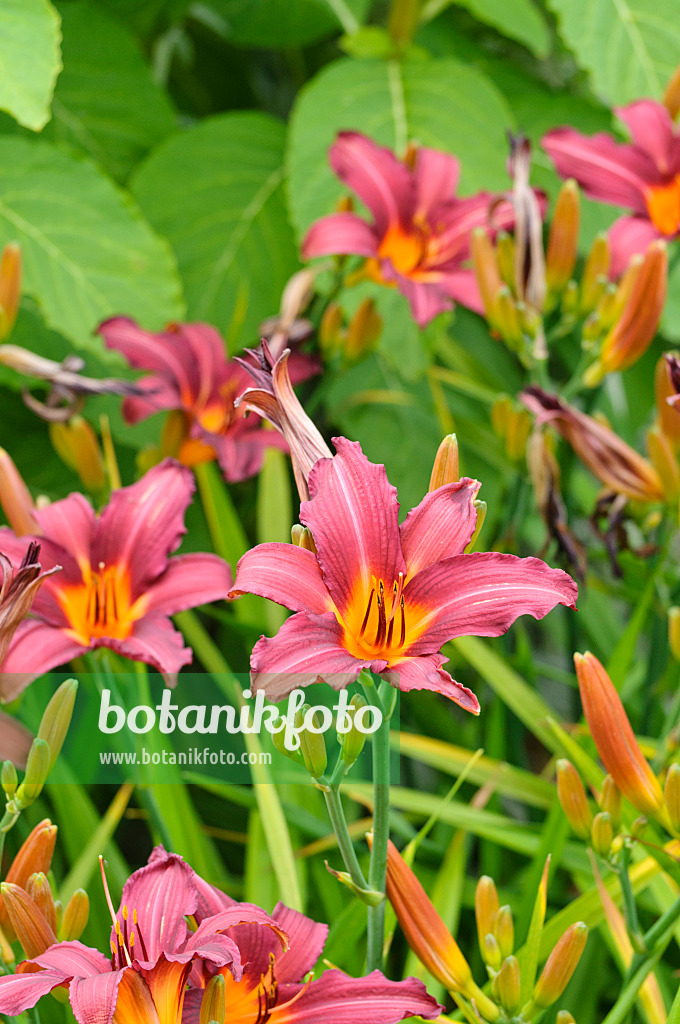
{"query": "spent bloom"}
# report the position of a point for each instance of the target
(18, 591)
(117, 586)
(193, 378)
(419, 236)
(160, 971)
(643, 175)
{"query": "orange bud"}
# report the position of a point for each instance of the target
(34, 855)
(40, 891)
(562, 249)
(505, 254)
(10, 287)
(613, 736)
(508, 320)
(668, 416)
(665, 462)
(77, 445)
(505, 931)
(75, 917)
(610, 800)
(363, 331)
(560, 966)
(486, 909)
(15, 498)
(445, 469)
(573, 799)
(32, 930)
(671, 793)
(671, 96)
(330, 328)
(594, 279)
(487, 273)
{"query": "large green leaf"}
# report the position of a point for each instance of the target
(215, 192)
(439, 103)
(517, 19)
(630, 47)
(275, 23)
(106, 102)
(88, 253)
(29, 60)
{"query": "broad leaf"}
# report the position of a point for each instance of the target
(215, 191)
(106, 102)
(517, 19)
(88, 253)
(280, 23)
(29, 59)
(439, 103)
(630, 47)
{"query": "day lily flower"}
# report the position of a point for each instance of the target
(420, 233)
(643, 175)
(382, 596)
(118, 585)
(192, 377)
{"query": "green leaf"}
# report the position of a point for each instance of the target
(516, 19)
(280, 23)
(438, 103)
(106, 102)
(234, 245)
(88, 253)
(29, 60)
(630, 47)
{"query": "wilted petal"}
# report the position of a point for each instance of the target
(188, 581)
(305, 648)
(336, 998)
(381, 181)
(482, 594)
(425, 673)
(340, 233)
(629, 236)
(606, 170)
(36, 648)
(440, 526)
(353, 516)
(284, 573)
(651, 126)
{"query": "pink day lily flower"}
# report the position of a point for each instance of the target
(420, 235)
(192, 375)
(643, 175)
(382, 596)
(118, 584)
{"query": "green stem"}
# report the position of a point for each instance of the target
(381, 832)
(337, 815)
(629, 905)
(7, 822)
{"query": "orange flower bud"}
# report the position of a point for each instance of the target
(15, 499)
(671, 793)
(40, 891)
(671, 96)
(610, 801)
(613, 736)
(487, 273)
(505, 931)
(573, 799)
(32, 930)
(507, 986)
(76, 914)
(486, 909)
(595, 274)
(562, 249)
(508, 320)
(77, 445)
(602, 834)
(363, 331)
(10, 287)
(34, 855)
(446, 468)
(560, 966)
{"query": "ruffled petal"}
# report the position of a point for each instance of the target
(450, 244)
(162, 893)
(306, 648)
(306, 939)
(154, 641)
(652, 129)
(188, 581)
(480, 594)
(93, 1000)
(74, 960)
(425, 673)
(340, 233)
(604, 169)
(165, 354)
(353, 515)
(436, 179)
(336, 998)
(284, 573)
(440, 526)
(19, 992)
(36, 648)
(629, 236)
(70, 523)
(381, 181)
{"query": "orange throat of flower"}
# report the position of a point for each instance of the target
(403, 248)
(663, 206)
(101, 606)
(383, 626)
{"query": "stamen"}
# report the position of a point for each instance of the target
(382, 621)
(140, 935)
(402, 635)
(368, 612)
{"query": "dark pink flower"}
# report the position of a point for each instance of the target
(382, 596)
(643, 175)
(192, 375)
(420, 235)
(118, 586)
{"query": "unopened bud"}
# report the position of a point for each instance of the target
(601, 834)
(37, 770)
(56, 718)
(302, 537)
(573, 799)
(40, 891)
(480, 509)
(353, 741)
(487, 273)
(30, 926)
(486, 909)
(506, 986)
(671, 792)
(508, 320)
(77, 445)
(674, 631)
(330, 328)
(363, 331)
(595, 274)
(278, 740)
(312, 744)
(663, 457)
(10, 287)
(570, 299)
(504, 931)
(505, 253)
(561, 964)
(562, 248)
(491, 953)
(75, 916)
(15, 499)
(9, 778)
(446, 468)
(610, 801)
(564, 1017)
(213, 1004)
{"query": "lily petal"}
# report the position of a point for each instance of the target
(306, 939)
(155, 641)
(425, 673)
(165, 354)
(71, 523)
(159, 394)
(305, 648)
(482, 594)
(426, 298)
(19, 992)
(651, 126)
(436, 177)
(336, 998)
(381, 181)
(440, 526)
(284, 573)
(240, 454)
(36, 648)
(95, 998)
(353, 515)
(605, 169)
(162, 893)
(340, 233)
(188, 581)
(629, 236)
